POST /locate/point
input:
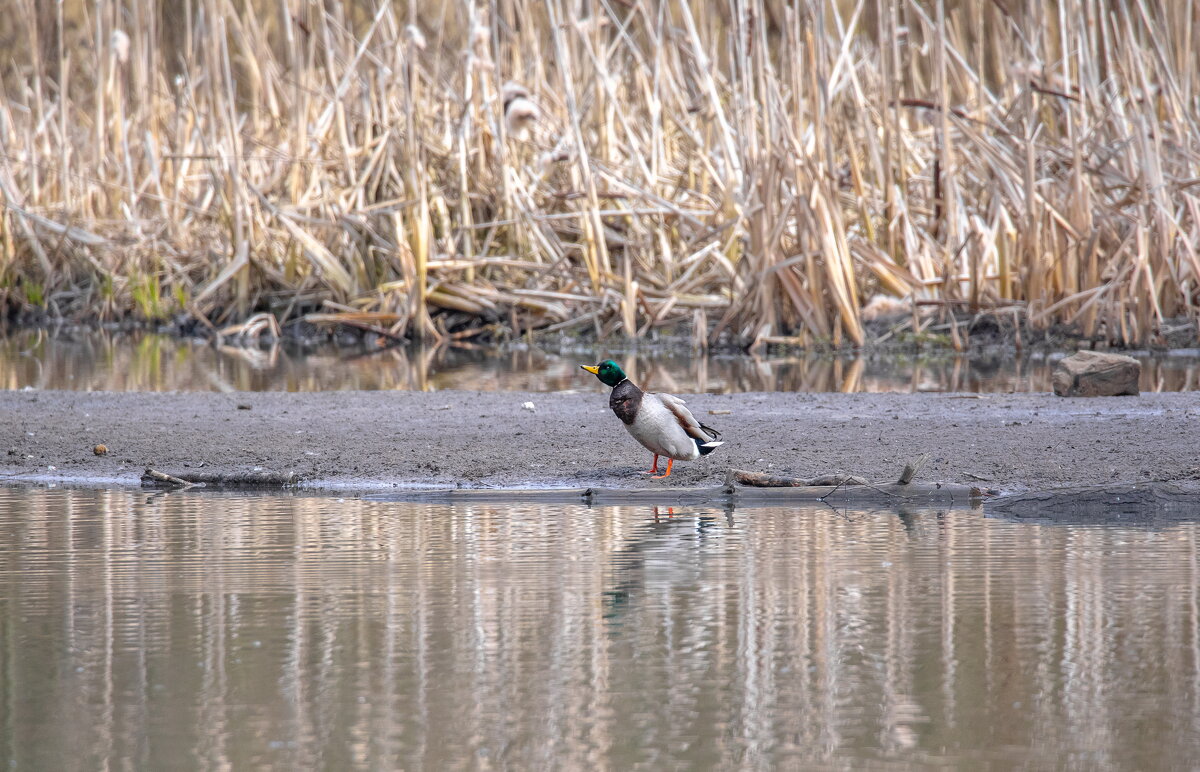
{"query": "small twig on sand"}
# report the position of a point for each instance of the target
(835, 490)
(153, 477)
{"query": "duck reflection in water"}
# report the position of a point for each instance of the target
(662, 549)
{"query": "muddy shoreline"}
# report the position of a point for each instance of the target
(375, 441)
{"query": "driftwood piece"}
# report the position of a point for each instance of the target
(851, 490)
(760, 480)
(152, 478)
(1117, 503)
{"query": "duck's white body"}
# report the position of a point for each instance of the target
(658, 427)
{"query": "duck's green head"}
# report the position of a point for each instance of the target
(608, 371)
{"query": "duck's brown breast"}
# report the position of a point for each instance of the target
(625, 400)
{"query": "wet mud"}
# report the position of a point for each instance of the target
(379, 441)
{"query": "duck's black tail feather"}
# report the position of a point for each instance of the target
(708, 447)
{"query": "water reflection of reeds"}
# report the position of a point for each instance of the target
(224, 631)
(143, 362)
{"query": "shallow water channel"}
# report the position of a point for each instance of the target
(105, 361)
(196, 629)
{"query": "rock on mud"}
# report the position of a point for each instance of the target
(1096, 374)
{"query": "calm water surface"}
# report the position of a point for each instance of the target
(189, 630)
(102, 361)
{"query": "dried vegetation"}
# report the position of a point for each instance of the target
(752, 170)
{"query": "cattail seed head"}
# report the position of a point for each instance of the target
(120, 45)
(416, 38)
(520, 111)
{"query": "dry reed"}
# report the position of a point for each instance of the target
(754, 166)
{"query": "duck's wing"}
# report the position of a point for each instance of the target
(694, 428)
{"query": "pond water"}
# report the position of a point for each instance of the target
(103, 361)
(195, 629)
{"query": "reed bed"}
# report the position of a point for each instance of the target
(750, 170)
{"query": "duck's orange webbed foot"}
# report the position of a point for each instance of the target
(667, 473)
(653, 469)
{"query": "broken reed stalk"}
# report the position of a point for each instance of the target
(764, 166)
(911, 468)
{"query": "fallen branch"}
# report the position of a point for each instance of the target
(760, 480)
(154, 478)
(851, 489)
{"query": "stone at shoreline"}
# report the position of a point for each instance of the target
(1096, 374)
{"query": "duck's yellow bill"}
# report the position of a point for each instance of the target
(594, 370)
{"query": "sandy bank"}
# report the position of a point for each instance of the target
(373, 440)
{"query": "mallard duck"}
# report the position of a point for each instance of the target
(661, 422)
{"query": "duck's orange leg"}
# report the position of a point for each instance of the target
(664, 474)
(653, 469)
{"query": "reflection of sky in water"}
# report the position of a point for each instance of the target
(215, 631)
(143, 362)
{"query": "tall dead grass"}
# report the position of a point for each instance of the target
(753, 168)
